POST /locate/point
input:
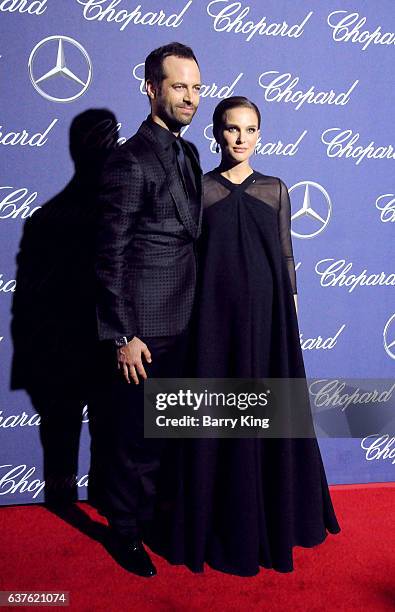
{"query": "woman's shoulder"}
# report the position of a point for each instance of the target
(209, 176)
(272, 184)
(267, 178)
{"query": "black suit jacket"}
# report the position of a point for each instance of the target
(145, 250)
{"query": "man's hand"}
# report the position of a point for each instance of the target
(130, 359)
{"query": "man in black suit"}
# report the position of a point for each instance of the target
(149, 221)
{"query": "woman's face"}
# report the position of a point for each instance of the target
(238, 134)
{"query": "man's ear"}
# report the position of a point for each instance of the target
(150, 89)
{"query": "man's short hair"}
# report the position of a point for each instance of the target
(153, 68)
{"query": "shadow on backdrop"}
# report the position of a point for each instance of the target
(53, 312)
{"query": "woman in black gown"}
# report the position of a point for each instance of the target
(238, 504)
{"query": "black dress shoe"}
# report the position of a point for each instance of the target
(132, 555)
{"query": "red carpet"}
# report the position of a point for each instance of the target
(351, 570)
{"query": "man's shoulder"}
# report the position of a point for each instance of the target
(135, 147)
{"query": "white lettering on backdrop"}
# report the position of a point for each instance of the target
(281, 89)
(268, 148)
(328, 393)
(19, 420)
(7, 286)
(341, 143)
(16, 203)
(320, 343)
(335, 274)
(211, 90)
(32, 420)
(348, 28)
(105, 10)
(231, 18)
(103, 135)
(22, 138)
(37, 7)
(16, 480)
(386, 203)
(380, 448)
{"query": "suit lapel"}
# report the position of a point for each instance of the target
(173, 180)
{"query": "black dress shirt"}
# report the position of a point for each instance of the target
(181, 160)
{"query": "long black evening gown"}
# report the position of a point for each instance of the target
(241, 503)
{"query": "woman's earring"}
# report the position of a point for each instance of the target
(255, 151)
(217, 148)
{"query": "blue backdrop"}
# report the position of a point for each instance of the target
(322, 74)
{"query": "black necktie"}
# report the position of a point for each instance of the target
(187, 180)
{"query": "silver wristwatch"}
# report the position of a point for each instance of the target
(122, 341)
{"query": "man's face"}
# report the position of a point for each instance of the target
(176, 100)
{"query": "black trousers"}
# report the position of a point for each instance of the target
(122, 482)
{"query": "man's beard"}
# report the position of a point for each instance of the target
(172, 122)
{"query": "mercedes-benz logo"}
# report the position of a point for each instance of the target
(44, 54)
(318, 215)
(389, 345)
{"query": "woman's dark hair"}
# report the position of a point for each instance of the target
(154, 62)
(227, 104)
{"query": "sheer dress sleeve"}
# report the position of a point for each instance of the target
(274, 192)
(284, 224)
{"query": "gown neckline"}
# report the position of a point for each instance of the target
(230, 184)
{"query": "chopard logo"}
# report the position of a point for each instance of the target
(103, 135)
(344, 393)
(18, 479)
(230, 17)
(32, 420)
(379, 448)
(19, 420)
(319, 342)
(104, 10)
(386, 203)
(37, 7)
(314, 212)
(348, 29)
(389, 337)
(210, 90)
(281, 88)
(51, 52)
(7, 286)
(336, 274)
(268, 148)
(16, 203)
(340, 143)
(24, 139)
